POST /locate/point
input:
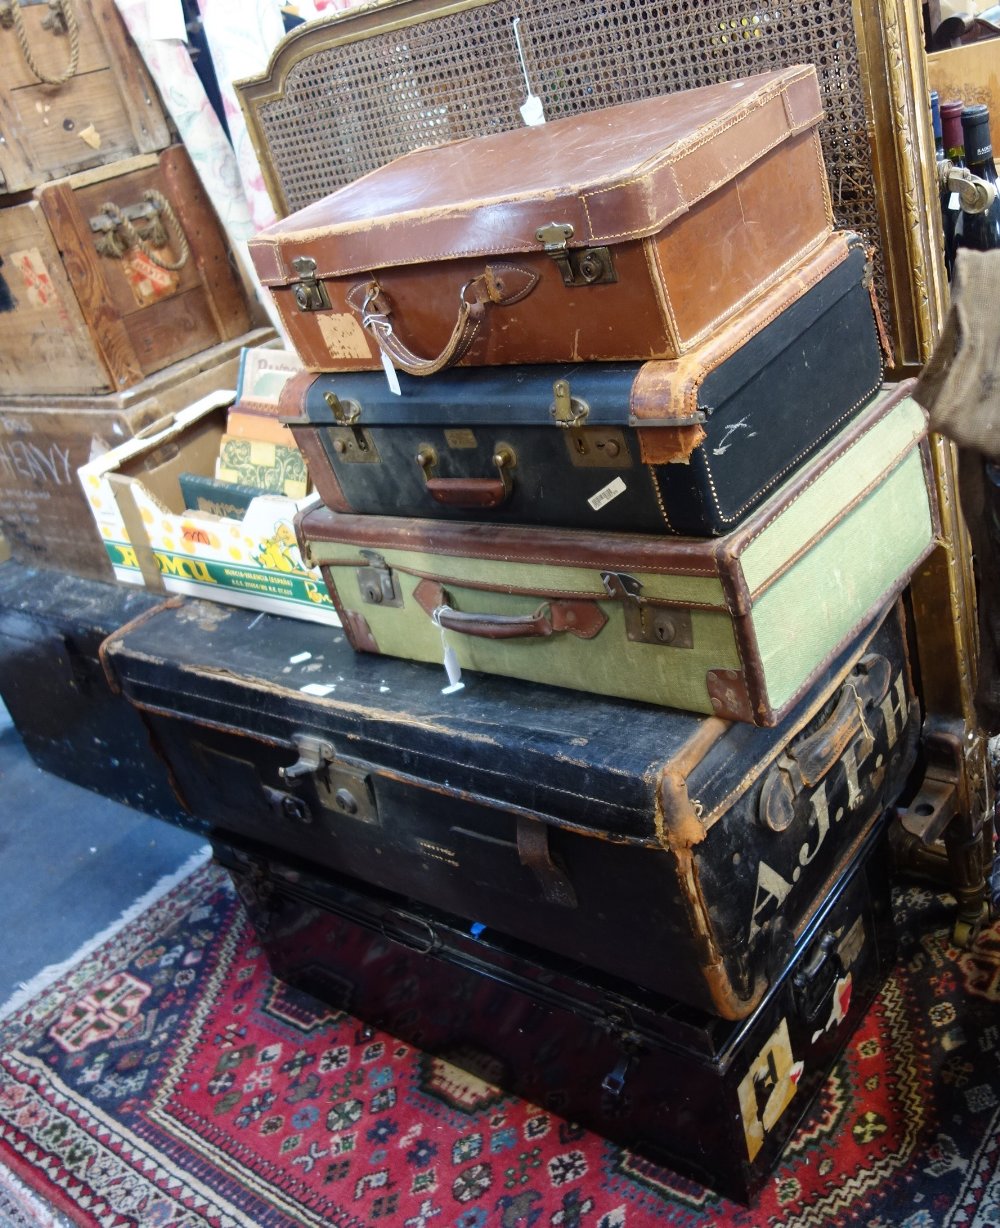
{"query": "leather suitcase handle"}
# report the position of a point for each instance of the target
(470, 492)
(581, 618)
(497, 285)
(805, 765)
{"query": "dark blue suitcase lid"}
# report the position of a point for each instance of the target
(524, 395)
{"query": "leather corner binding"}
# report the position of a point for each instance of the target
(669, 445)
(730, 696)
(292, 398)
(358, 631)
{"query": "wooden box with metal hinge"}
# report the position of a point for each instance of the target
(622, 234)
(683, 446)
(109, 276)
(74, 92)
(678, 852)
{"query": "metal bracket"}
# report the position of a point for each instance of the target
(579, 266)
(346, 413)
(377, 583)
(646, 623)
(353, 445)
(339, 786)
(566, 409)
(598, 447)
(310, 294)
(141, 211)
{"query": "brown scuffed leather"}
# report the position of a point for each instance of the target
(513, 543)
(321, 473)
(667, 184)
(671, 389)
(584, 619)
(358, 632)
(467, 492)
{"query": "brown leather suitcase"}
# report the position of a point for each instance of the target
(623, 234)
(109, 276)
(74, 92)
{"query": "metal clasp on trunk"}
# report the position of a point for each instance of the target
(377, 583)
(645, 622)
(566, 409)
(584, 266)
(339, 786)
(310, 294)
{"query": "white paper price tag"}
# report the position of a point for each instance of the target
(166, 20)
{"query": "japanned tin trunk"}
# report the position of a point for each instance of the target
(713, 1100)
(736, 627)
(626, 233)
(681, 853)
(686, 446)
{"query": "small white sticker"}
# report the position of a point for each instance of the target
(299, 658)
(954, 202)
(391, 376)
(603, 497)
(317, 688)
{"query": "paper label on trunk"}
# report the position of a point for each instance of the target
(149, 282)
(343, 335)
(609, 492)
(35, 276)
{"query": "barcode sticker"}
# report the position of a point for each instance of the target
(611, 491)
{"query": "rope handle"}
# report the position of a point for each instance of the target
(60, 18)
(122, 228)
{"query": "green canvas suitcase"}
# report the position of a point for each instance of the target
(736, 627)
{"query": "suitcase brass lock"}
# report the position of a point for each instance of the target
(310, 294)
(566, 409)
(646, 623)
(585, 266)
(340, 786)
(376, 582)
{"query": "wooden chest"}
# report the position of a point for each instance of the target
(109, 276)
(79, 98)
(43, 441)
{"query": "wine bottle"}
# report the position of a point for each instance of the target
(954, 152)
(936, 124)
(980, 230)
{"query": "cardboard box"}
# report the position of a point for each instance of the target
(150, 538)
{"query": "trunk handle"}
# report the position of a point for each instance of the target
(120, 234)
(60, 17)
(498, 285)
(469, 492)
(581, 618)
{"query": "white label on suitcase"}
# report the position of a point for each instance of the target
(603, 497)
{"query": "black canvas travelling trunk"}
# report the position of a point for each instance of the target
(53, 684)
(684, 854)
(714, 1100)
(686, 446)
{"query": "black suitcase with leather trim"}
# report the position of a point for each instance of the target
(715, 1100)
(688, 446)
(682, 853)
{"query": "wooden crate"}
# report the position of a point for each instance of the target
(971, 73)
(44, 513)
(75, 320)
(108, 109)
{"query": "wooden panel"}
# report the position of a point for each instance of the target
(84, 267)
(50, 50)
(971, 73)
(43, 510)
(177, 328)
(44, 339)
(49, 123)
(110, 98)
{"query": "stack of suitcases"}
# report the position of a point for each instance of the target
(597, 416)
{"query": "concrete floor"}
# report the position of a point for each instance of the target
(72, 861)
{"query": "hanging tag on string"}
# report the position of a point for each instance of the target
(390, 375)
(451, 665)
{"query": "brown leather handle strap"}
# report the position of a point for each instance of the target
(469, 492)
(497, 285)
(495, 626)
(804, 765)
(580, 618)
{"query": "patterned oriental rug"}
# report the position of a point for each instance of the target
(168, 1081)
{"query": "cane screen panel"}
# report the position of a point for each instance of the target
(348, 108)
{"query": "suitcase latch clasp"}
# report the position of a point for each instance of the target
(645, 622)
(377, 583)
(566, 409)
(310, 294)
(584, 266)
